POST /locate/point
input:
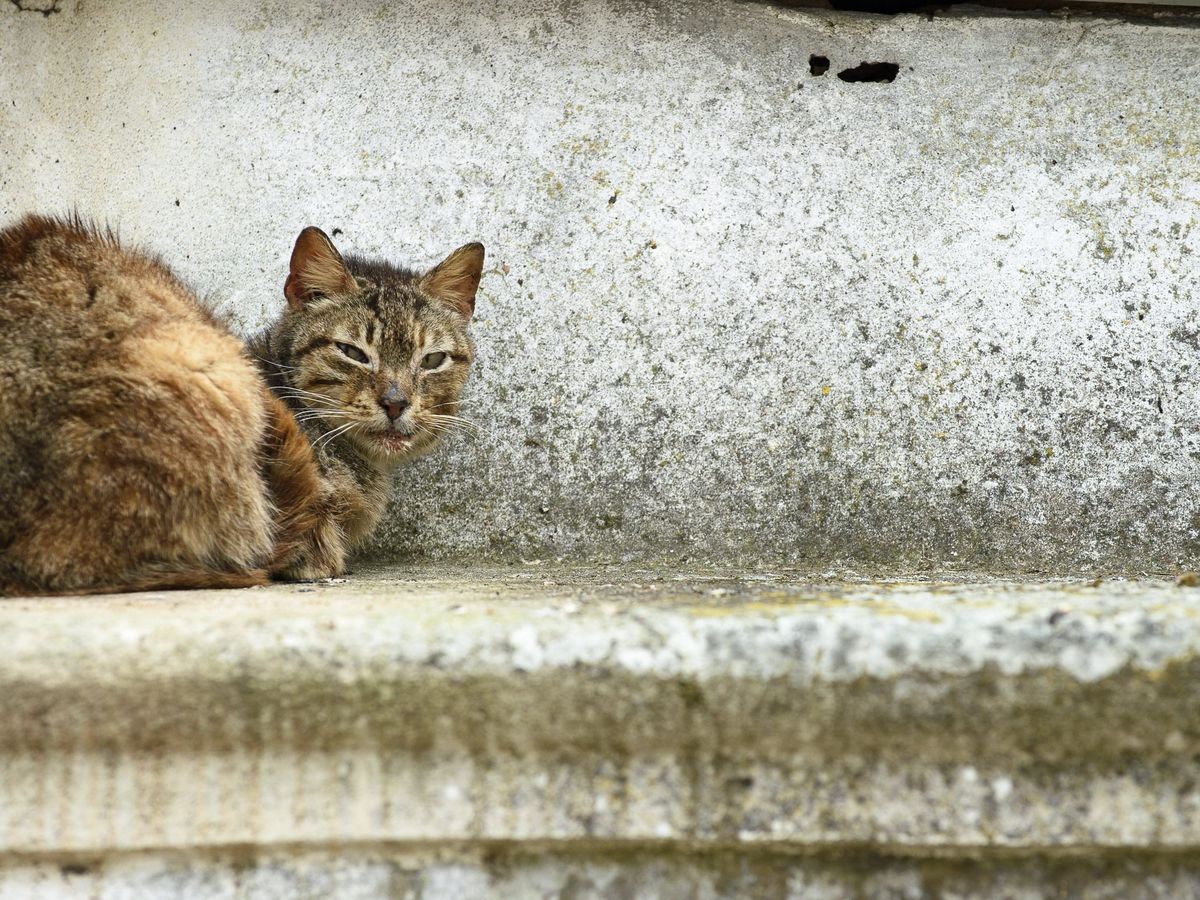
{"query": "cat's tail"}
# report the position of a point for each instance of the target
(184, 580)
(195, 580)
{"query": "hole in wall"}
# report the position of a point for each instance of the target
(873, 71)
(818, 65)
(886, 7)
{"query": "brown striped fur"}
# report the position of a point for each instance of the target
(354, 333)
(139, 446)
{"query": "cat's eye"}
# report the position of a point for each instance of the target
(433, 360)
(349, 350)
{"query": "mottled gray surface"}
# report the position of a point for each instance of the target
(499, 874)
(591, 706)
(595, 732)
(732, 310)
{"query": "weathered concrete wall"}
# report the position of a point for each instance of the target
(733, 309)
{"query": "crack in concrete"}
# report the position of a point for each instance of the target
(46, 10)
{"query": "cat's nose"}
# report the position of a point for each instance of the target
(394, 402)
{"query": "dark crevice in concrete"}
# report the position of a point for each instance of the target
(866, 855)
(818, 65)
(882, 7)
(46, 9)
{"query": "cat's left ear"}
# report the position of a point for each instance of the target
(456, 278)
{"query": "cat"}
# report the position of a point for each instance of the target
(371, 359)
(144, 446)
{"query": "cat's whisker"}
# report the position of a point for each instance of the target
(450, 403)
(319, 409)
(466, 434)
(341, 429)
(292, 387)
(455, 422)
(309, 412)
(334, 432)
(270, 362)
(328, 436)
(448, 431)
(312, 400)
(442, 431)
(444, 425)
(316, 408)
(320, 417)
(334, 405)
(305, 410)
(316, 404)
(301, 391)
(423, 429)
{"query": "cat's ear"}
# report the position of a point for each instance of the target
(316, 268)
(456, 278)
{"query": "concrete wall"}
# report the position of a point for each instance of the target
(733, 310)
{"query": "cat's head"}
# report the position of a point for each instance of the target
(375, 352)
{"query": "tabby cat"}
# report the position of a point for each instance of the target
(143, 446)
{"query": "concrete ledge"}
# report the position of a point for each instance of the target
(505, 873)
(593, 709)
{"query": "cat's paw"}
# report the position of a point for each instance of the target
(320, 555)
(307, 571)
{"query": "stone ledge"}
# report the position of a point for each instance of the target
(591, 707)
(508, 873)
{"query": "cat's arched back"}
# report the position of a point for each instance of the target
(130, 423)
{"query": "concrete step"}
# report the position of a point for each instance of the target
(482, 732)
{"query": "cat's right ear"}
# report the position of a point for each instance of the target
(316, 268)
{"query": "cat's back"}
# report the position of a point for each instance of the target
(74, 282)
(119, 392)
(77, 307)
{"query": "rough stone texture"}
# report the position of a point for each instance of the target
(499, 874)
(588, 711)
(732, 310)
(603, 733)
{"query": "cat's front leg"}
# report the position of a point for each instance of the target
(317, 551)
(310, 508)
